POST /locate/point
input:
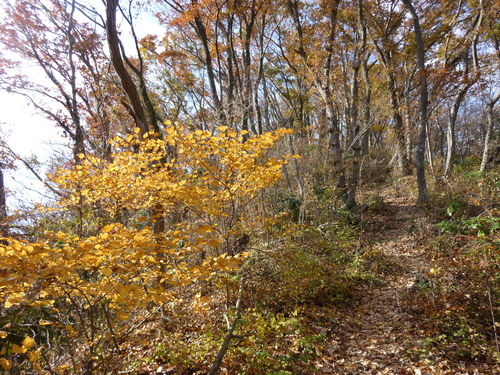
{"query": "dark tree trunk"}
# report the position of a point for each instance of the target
(117, 60)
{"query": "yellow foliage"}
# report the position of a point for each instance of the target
(6, 364)
(28, 342)
(34, 356)
(16, 349)
(211, 176)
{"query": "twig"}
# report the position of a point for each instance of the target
(110, 325)
(230, 333)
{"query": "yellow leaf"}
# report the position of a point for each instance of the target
(81, 156)
(71, 331)
(123, 291)
(62, 367)
(6, 364)
(37, 367)
(107, 271)
(204, 299)
(108, 228)
(28, 342)
(204, 229)
(44, 322)
(3, 334)
(16, 349)
(222, 128)
(214, 242)
(137, 130)
(33, 356)
(122, 315)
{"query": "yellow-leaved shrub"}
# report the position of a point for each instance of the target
(106, 269)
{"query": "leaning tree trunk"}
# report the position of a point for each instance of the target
(422, 128)
(140, 109)
(118, 64)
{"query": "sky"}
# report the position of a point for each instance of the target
(30, 134)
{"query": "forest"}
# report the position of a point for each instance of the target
(250, 187)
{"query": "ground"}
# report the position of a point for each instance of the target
(376, 334)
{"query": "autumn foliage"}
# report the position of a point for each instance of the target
(115, 268)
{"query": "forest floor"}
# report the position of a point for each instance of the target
(377, 334)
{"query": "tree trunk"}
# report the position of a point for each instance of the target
(404, 166)
(353, 173)
(366, 111)
(139, 108)
(489, 131)
(3, 207)
(430, 157)
(116, 59)
(450, 132)
(3, 204)
(422, 129)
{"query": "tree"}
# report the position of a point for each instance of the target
(422, 185)
(489, 130)
(66, 52)
(383, 32)
(141, 106)
(463, 52)
(89, 284)
(6, 162)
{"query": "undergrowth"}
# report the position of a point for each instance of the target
(461, 305)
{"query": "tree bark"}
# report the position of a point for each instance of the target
(404, 165)
(422, 129)
(489, 131)
(366, 110)
(118, 64)
(3, 207)
(3, 202)
(450, 133)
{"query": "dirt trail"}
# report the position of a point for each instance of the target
(372, 338)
